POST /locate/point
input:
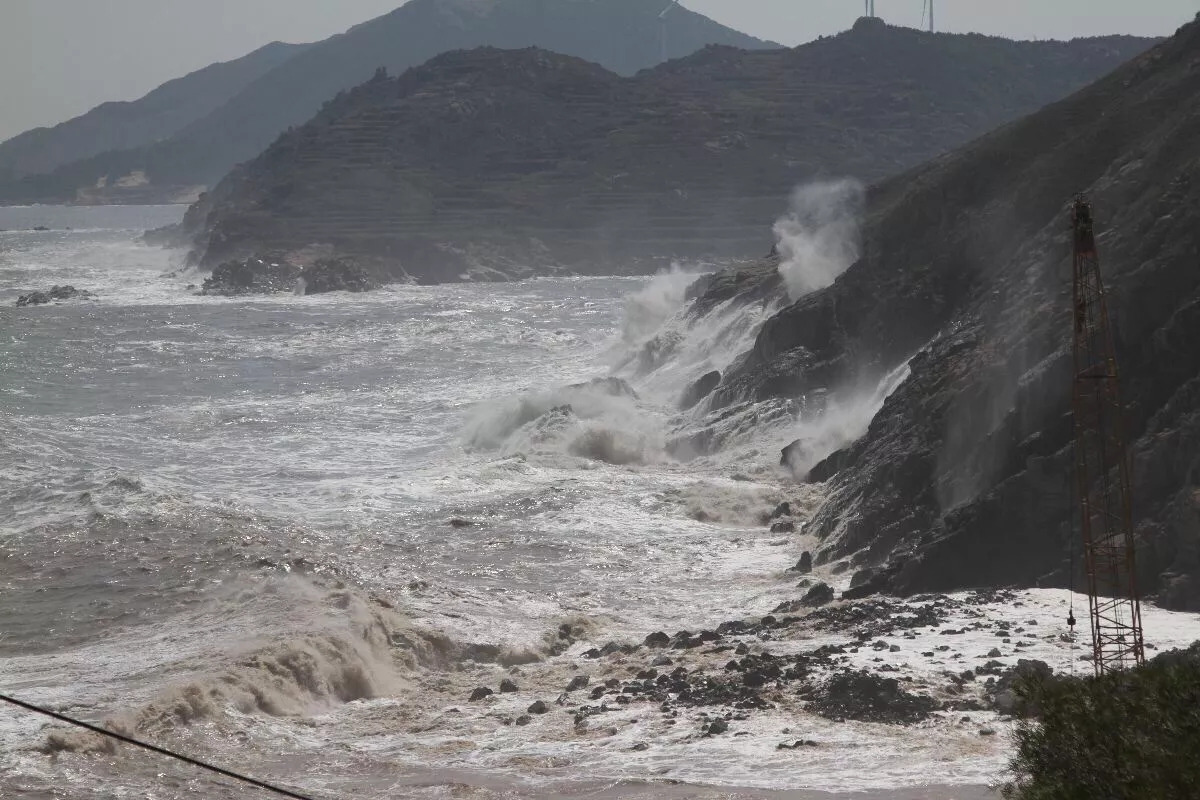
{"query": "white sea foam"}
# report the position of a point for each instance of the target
(168, 460)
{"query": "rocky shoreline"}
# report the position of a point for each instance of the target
(710, 680)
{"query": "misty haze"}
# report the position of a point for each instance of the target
(599, 398)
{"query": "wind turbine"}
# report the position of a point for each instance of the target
(662, 27)
(928, 7)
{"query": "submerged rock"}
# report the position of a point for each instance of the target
(55, 293)
(613, 387)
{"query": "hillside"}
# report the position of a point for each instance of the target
(158, 115)
(962, 478)
(622, 35)
(526, 160)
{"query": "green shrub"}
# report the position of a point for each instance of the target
(1128, 735)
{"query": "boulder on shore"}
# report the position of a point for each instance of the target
(866, 697)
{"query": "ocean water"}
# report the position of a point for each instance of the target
(292, 534)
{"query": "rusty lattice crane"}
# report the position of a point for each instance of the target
(1102, 471)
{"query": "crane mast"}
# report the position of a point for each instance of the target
(1102, 470)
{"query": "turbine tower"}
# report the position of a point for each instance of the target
(928, 9)
(662, 28)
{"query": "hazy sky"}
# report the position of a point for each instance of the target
(58, 58)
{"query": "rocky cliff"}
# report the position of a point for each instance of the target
(518, 161)
(962, 478)
(622, 35)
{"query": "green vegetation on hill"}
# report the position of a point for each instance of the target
(1126, 736)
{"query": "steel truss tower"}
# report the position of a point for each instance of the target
(1102, 470)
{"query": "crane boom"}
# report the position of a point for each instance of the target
(1102, 470)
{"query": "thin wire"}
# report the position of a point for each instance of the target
(153, 748)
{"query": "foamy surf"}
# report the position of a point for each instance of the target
(297, 534)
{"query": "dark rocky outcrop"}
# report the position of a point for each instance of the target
(867, 697)
(962, 477)
(804, 565)
(818, 595)
(490, 162)
(255, 275)
(53, 294)
(336, 275)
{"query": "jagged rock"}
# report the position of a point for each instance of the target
(700, 389)
(481, 693)
(53, 294)
(538, 707)
(818, 595)
(524, 719)
(784, 509)
(784, 526)
(261, 274)
(336, 275)
(804, 565)
(578, 682)
(507, 686)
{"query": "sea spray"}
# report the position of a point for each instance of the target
(842, 420)
(648, 308)
(819, 237)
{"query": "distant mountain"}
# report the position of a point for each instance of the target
(122, 125)
(964, 477)
(528, 160)
(622, 35)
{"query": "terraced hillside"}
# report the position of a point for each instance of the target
(527, 161)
